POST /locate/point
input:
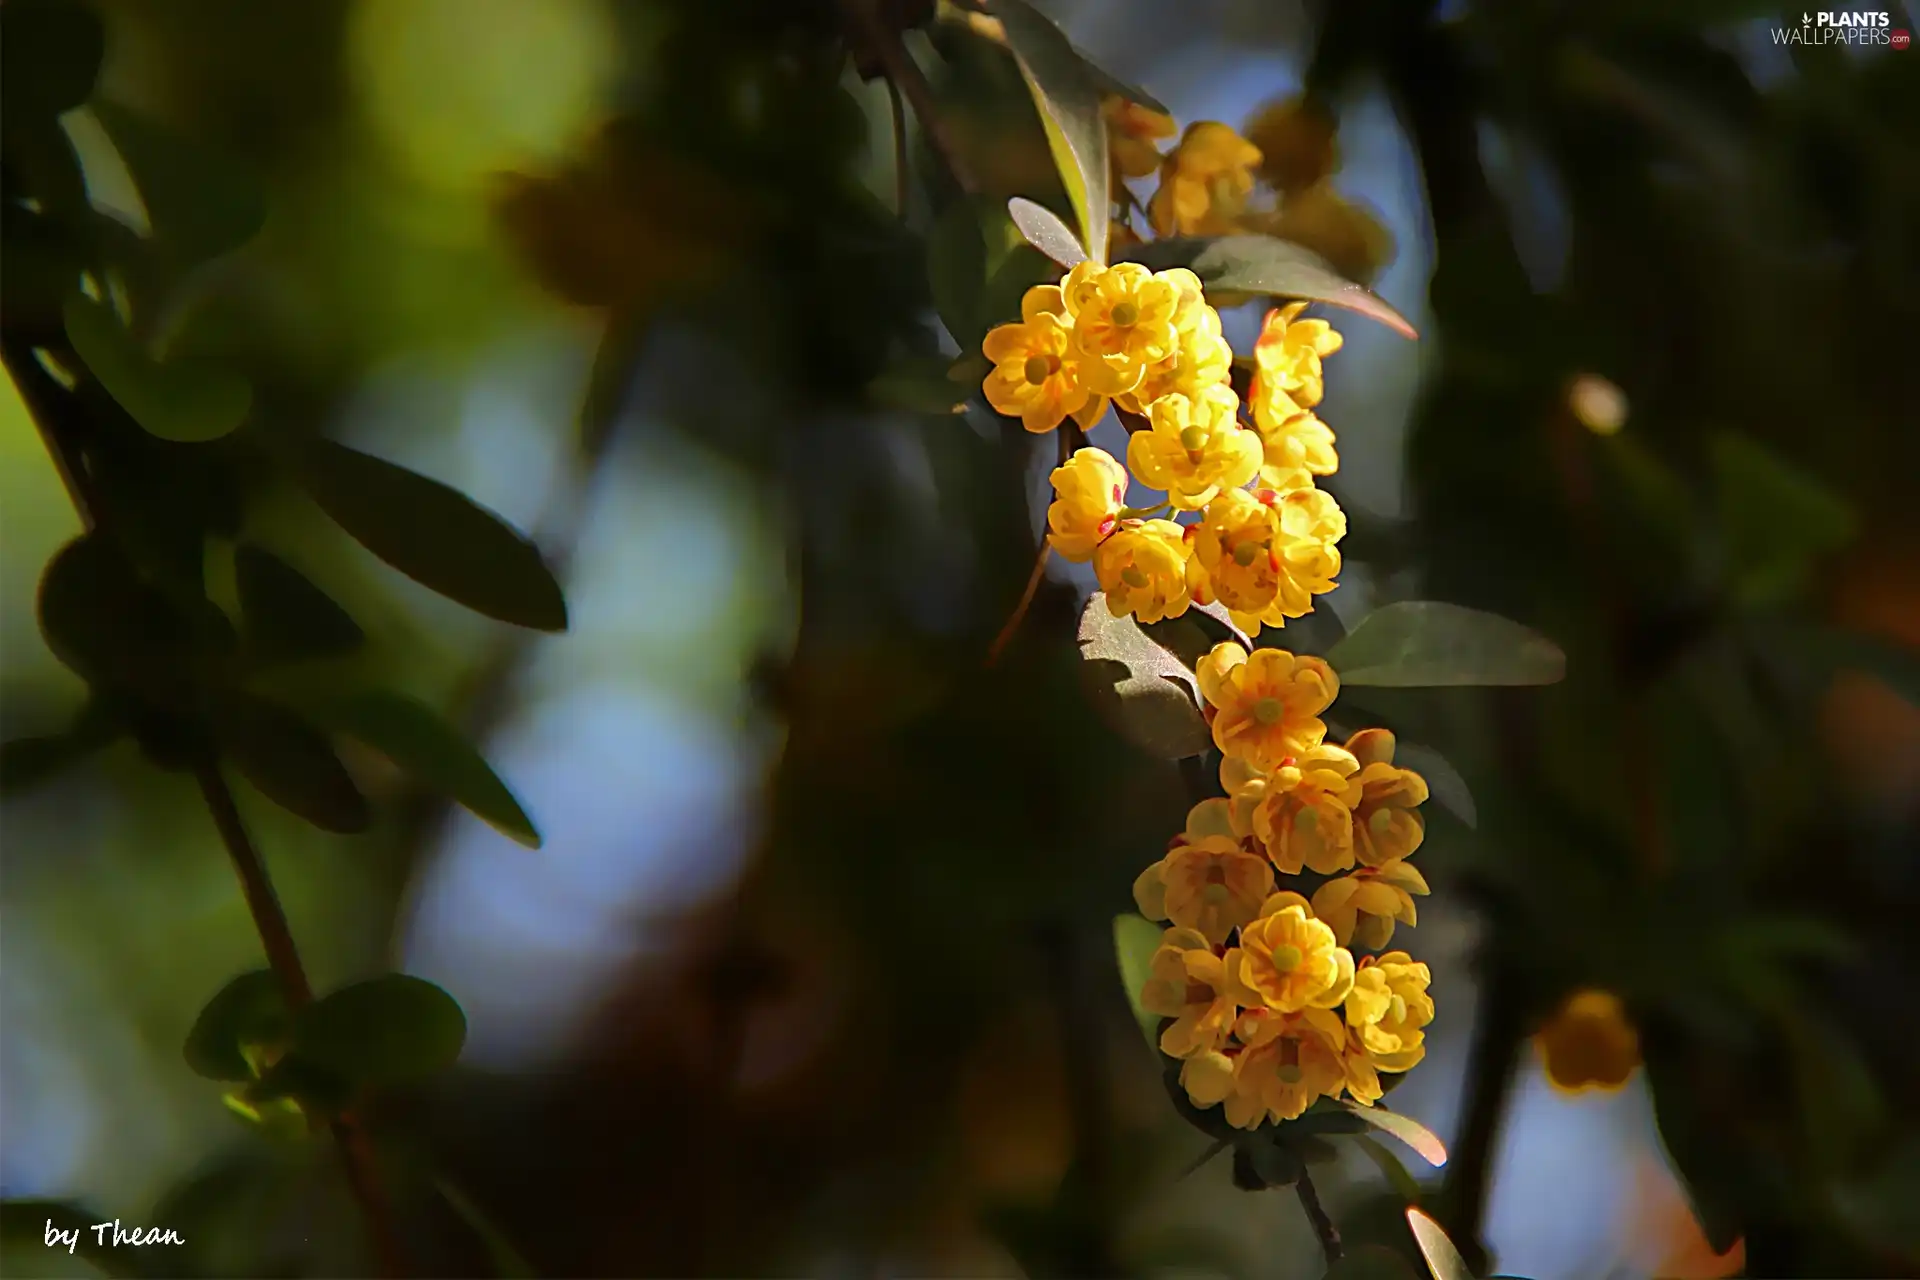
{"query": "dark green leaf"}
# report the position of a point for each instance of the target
(24, 1225)
(1045, 232)
(1389, 1164)
(957, 271)
(1443, 780)
(102, 621)
(1112, 86)
(1145, 693)
(200, 203)
(290, 761)
(435, 535)
(1264, 264)
(1893, 664)
(918, 384)
(1408, 1130)
(1775, 520)
(50, 52)
(508, 1262)
(26, 762)
(1426, 642)
(1135, 939)
(184, 403)
(1068, 99)
(1707, 1165)
(1442, 1258)
(249, 1011)
(1260, 1163)
(1371, 1262)
(314, 1088)
(419, 740)
(383, 1031)
(286, 617)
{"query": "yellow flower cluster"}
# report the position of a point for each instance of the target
(1270, 1008)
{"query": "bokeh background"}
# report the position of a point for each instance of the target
(813, 974)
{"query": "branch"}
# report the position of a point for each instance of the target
(1323, 1228)
(883, 41)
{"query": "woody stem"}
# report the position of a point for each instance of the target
(1323, 1228)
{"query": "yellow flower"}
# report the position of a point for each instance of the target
(1212, 886)
(1143, 570)
(1204, 182)
(1287, 960)
(1387, 824)
(1296, 141)
(1035, 376)
(1122, 322)
(1267, 553)
(1195, 449)
(1589, 1043)
(1213, 1077)
(1294, 439)
(1200, 358)
(1286, 356)
(1131, 132)
(1188, 983)
(1389, 1008)
(1305, 817)
(1090, 489)
(1361, 908)
(1267, 703)
(1292, 1059)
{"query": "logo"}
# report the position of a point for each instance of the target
(1844, 26)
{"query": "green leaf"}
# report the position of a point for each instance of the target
(288, 760)
(383, 1031)
(1711, 1171)
(918, 384)
(1112, 86)
(108, 626)
(1068, 99)
(1836, 649)
(1142, 689)
(24, 1224)
(27, 762)
(508, 1262)
(1425, 642)
(1776, 520)
(1371, 1262)
(286, 617)
(1265, 264)
(419, 740)
(1423, 1140)
(435, 535)
(957, 271)
(249, 1011)
(1045, 232)
(50, 52)
(181, 402)
(1444, 782)
(1135, 939)
(1389, 1164)
(1442, 1258)
(200, 203)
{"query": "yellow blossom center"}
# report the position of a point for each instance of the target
(1268, 710)
(1215, 894)
(1397, 1009)
(1040, 368)
(1381, 822)
(1244, 553)
(1191, 438)
(1132, 576)
(1126, 314)
(1287, 959)
(1289, 1073)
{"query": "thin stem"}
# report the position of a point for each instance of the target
(276, 939)
(885, 44)
(1026, 602)
(900, 174)
(1323, 1228)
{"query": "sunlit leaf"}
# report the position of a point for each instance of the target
(185, 403)
(290, 761)
(1144, 691)
(1045, 232)
(1442, 1258)
(435, 535)
(50, 53)
(1426, 642)
(383, 1031)
(1135, 939)
(201, 203)
(1423, 1140)
(250, 1010)
(1068, 99)
(286, 617)
(419, 740)
(1266, 265)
